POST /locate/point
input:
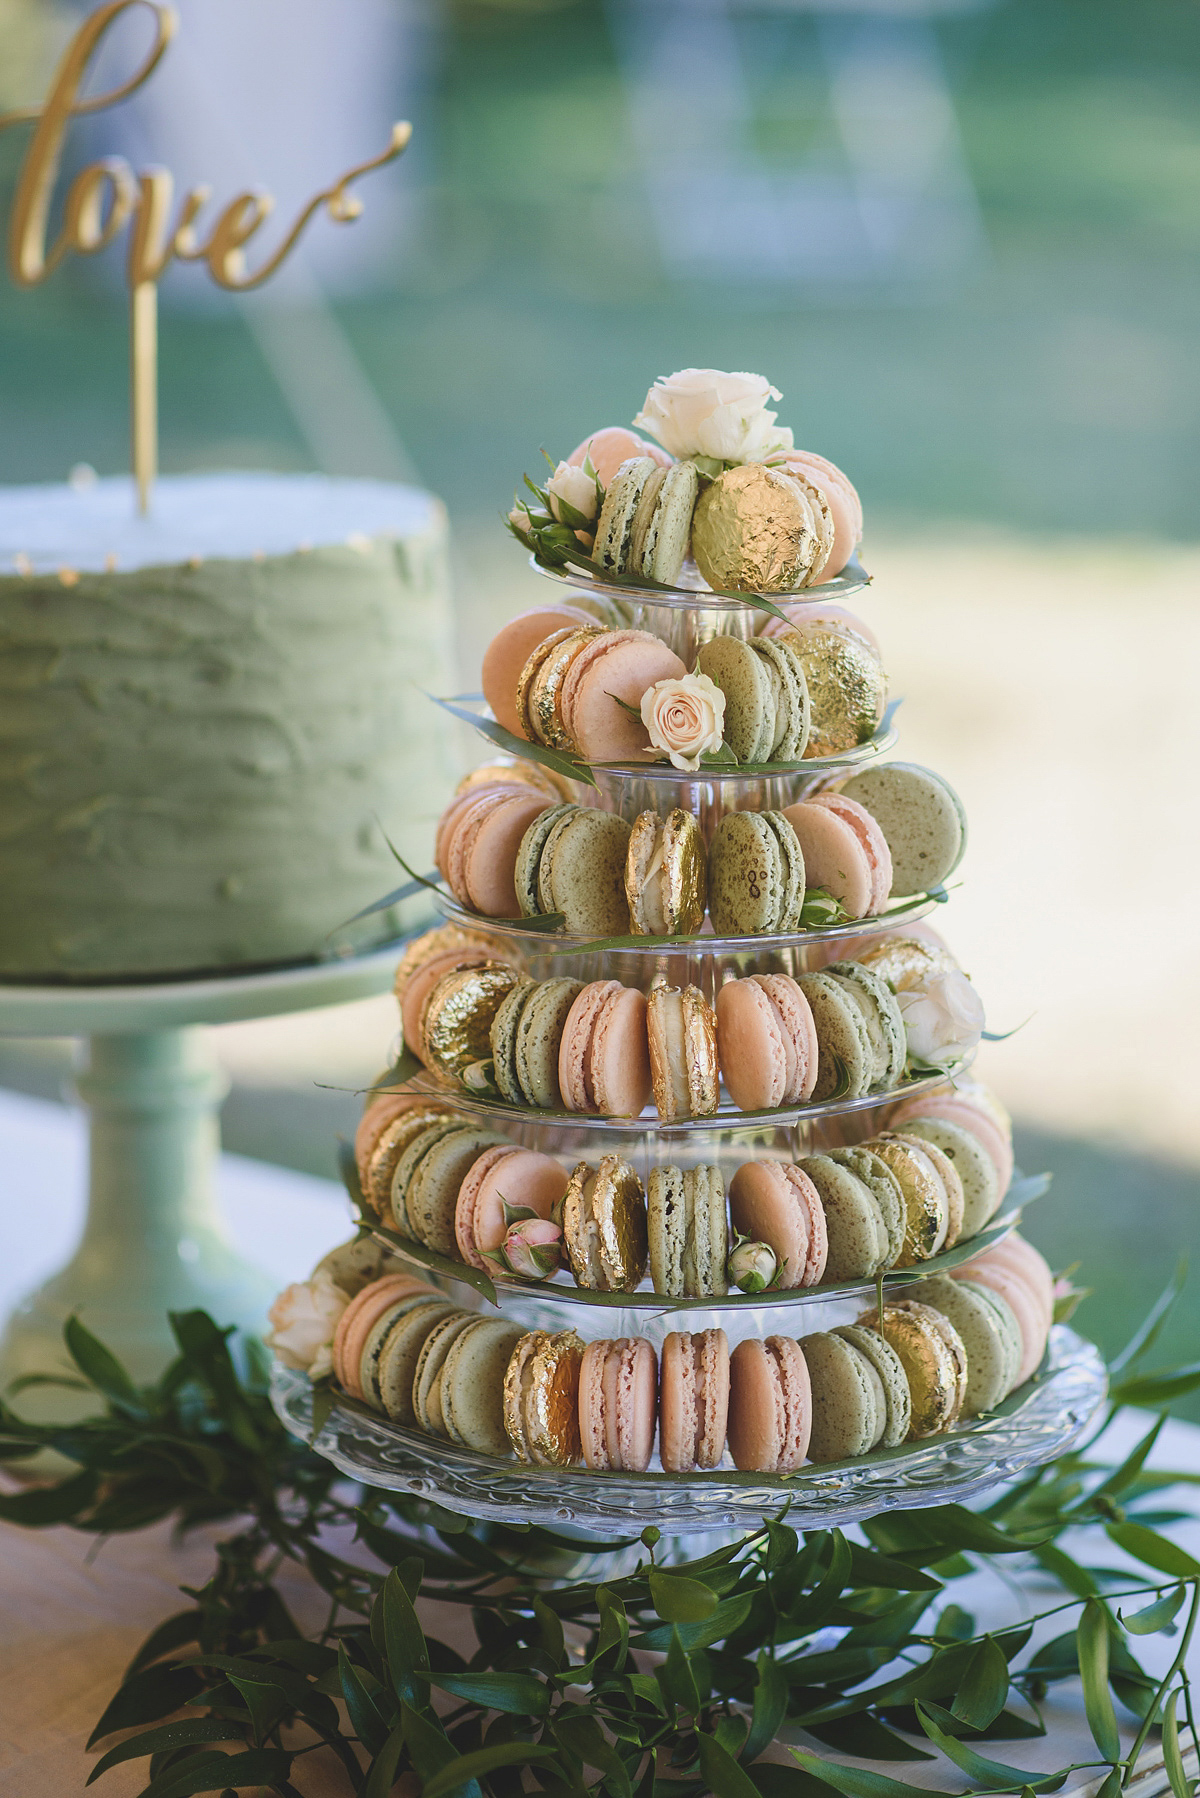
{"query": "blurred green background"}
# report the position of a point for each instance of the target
(981, 296)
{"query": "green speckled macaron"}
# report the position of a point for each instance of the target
(874, 1173)
(792, 709)
(990, 1335)
(433, 1189)
(890, 1368)
(845, 1054)
(744, 678)
(538, 1036)
(858, 1237)
(849, 1404)
(687, 1226)
(529, 858)
(972, 1163)
(921, 817)
(581, 872)
(884, 1019)
(503, 1036)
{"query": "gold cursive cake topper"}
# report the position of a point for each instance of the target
(108, 195)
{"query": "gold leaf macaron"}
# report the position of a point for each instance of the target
(457, 1020)
(682, 1030)
(754, 531)
(926, 1212)
(847, 687)
(934, 1360)
(905, 961)
(541, 1398)
(544, 700)
(666, 875)
(604, 1226)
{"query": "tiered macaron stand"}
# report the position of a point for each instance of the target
(1037, 1422)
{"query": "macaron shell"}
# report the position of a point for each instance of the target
(390, 1145)
(524, 1178)
(359, 1319)
(956, 1110)
(845, 1060)
(1024, 1305)
(834, 857)
(693, 1400)
(503, 1039)
(878, 1176)
(472, 1389)
(922, 818)
(884, 1019)
(427, 1376)
(433, 1190)
(993, 1354)
(770, 1405)
(873, 841)
(799, 1032)
(744, 679)
(926, 1208)
(665, 543)
(538, 1039)
(706, 1237)
(406, 1168)
(618, 1402)
(611, 446)
(846, 1400)
(460, 806)
(887, 1364)
(422, 984)
(574, 1069)
(528, 865)
(845, 508)
(582, 870)
(747, 877)
(619, 665)
(619, 1055)
(751, 1046)
(666, 1228)
(510, 649)
(947, 1173)
(491, 854)
(1016, 1252)
(794, 884)
(765, 1205)
(464, 1205)
(975, 1167)
(858, 1241)
(399, 1355)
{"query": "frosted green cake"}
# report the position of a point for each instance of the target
(206, 717)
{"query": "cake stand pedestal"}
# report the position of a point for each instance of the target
(154, 1240)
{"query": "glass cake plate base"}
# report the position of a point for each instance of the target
(1041, 1420)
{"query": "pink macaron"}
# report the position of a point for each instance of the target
(766, 1042)
(770, 1405)
(1024, 1260)
(1023, 1302)
(510, 649)
(523, 1178)
(611, 672)
(618, 1403)
(481, 852)
(845, 852)
(604, 1051)
(776, 1203)
(693, 1399)
(359, 1319)
(381, 1112)
(612, 445)
(844, 505)
(463, 804)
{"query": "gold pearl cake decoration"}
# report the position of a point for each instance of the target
(753, 531)
(847, 687)
(934, 1360)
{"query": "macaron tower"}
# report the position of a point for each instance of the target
(690, 1202)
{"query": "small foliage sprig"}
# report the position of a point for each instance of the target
(662, 1682)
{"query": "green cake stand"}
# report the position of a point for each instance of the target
(154, 1240)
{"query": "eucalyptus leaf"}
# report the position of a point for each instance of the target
(678, 1599)
(984, 1689)
(1154, 1550)
(724, 1777)
(467, 1767)
(568, 765)
(436, 1263)
(1157, 1616)
(1092, 1637)
(991, 1776)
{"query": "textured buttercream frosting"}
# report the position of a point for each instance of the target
(207, 716)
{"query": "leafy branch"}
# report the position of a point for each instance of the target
(658, 1681)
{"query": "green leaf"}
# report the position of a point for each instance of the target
(1156, 1616)
(723, 1776)
(429, 1747)
(266, 1703)
(984, 1689)
(145, 1697)
(1153, 1550)
(184, 1734)
(770, 1707)
(101, 1367)
(1147, 1332)
(521, 1694)
(382, 1775)
(854, 1782)
(613, 1635)
(42, 1505)
(676, 1678)
(417, 1253)
(1153, 1390)
(371, 1728)
(678, 1599)
(467, 1767)
(567, 765)
(1181, 1786)
(863, 1736)
(870, 1569)
(993, 1776)
(174, 1632)
(403, 1639)
(1124, 1476)
(215, 1772)
(1091, 1634)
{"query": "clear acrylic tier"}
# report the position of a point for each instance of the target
(1041, 1420)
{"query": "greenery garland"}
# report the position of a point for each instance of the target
(657, 1683)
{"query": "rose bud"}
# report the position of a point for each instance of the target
(752, 1266)
(533, 1248)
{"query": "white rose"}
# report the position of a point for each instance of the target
(685, 718)
(519, 518)
(576, 488)
(943, 1018)
(702, 412)
(303, 1320)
